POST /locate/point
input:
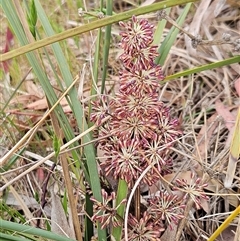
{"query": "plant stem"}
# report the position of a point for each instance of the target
(121, 194)
(137, 203)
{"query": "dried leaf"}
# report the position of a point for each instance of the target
(40, 175)
(147, 2)
(41, 104)
(237, 86)
(228, 234)
(59, 222)
(205, 205)
(33, 89)
(29, 201)
(234, 153)
(237, 235)
(38, 105)
(224, 112)
(170, 233)
(24, 99)
(234, 3)
(203, 140)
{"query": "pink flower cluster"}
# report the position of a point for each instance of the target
(141, 126)
(138, 133)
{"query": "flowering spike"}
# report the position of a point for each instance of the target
(142, 131)
(140, 123)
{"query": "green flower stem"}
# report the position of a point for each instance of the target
(106, 47)
(121, 194)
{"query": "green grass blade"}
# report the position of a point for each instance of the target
(159, 30)
(121, 194)
(10, 237)
(171, 37)
(89, 232)
(6, 225)
(233, 60)
(106, 46)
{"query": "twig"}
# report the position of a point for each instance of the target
(44, 191)
(197, 40)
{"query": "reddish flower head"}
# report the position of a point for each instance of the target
(141, 126)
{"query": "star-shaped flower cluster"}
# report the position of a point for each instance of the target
(141, 125)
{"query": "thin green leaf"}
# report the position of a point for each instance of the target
(89, 231)
(171, 37)
(6, 225)
(106, 46)
(65, 201)
(159, 30)
(32, 18)
(10, 237)
(121, 194)
(56, 145)
(233, 60)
